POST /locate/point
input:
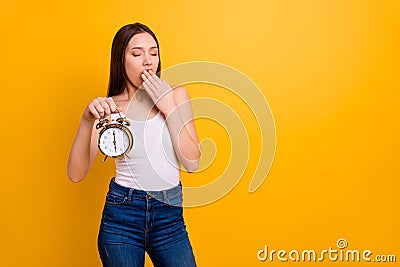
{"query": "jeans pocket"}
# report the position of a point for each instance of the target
(114, 198)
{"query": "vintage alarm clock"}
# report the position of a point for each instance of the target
(115, 138)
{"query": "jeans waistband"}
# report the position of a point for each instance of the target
(171, 196)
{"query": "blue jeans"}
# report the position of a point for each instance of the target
(135, 221)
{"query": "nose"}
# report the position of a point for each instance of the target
(147, 60)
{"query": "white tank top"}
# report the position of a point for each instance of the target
(151, 164)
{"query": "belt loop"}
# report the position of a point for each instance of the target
(130, 193)
(164, 193)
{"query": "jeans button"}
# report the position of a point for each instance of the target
(150, 196)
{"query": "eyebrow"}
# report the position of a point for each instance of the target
(140, 47)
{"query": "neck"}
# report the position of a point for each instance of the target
(130, 91)
(140, 95)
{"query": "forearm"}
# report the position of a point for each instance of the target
(186, 147)
(79, 158)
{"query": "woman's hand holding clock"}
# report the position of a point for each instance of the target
(99, 108)
(160, 92)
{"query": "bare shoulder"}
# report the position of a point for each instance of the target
(181, 94)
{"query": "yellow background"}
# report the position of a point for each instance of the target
(329, 70)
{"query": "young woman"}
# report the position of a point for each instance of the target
(143, 209)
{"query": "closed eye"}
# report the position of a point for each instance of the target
(138, 55)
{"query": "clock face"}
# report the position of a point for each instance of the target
(114, 141)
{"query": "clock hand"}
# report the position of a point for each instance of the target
(115, 142)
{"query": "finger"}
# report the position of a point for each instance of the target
(154, 75)
(153, 79)
(146, 87)
(99, 108)
(164, 89)
(93, 111)
(164, 83)
(149, 85)
(144, 77)
(113, 107)
(106, 107)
